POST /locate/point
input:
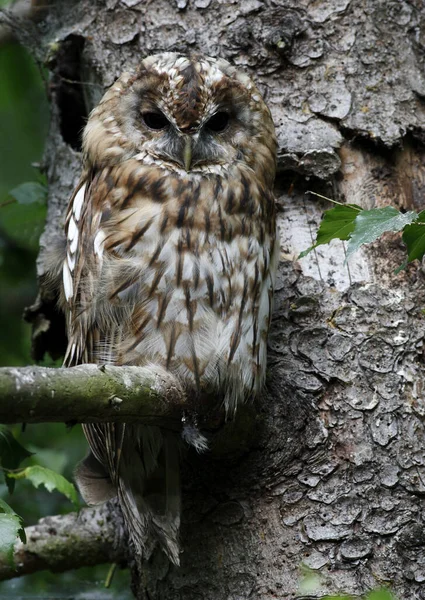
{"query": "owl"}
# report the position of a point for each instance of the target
(170, 261)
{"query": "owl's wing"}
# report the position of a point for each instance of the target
(82, 267)
(81, 275)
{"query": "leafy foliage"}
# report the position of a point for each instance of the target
(414, 238)
(23, 126)
(369, 225)
(29, 192)
(10, 528)
(337, 223)
(11, 453)
(359, 226)
(51, 480)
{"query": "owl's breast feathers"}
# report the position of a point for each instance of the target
(174, 270)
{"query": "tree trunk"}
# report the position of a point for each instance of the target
(334, 477)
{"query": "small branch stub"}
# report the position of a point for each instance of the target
(115, 402)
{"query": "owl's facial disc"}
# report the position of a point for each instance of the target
(192, 113)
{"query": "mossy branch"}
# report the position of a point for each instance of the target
(89, 393)
(63, 542)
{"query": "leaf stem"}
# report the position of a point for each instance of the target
(333, 201)
(7, 202)
(110, 575)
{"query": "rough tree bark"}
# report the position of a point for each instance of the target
(335, 475)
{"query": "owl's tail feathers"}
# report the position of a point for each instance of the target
(93, 481)
(147, 485)
(149, 493)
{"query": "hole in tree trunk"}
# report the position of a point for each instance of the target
(69, 90)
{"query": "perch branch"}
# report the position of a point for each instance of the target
(88, 393)
(64, 542)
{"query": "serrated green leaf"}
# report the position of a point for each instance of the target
(10, 528)
(29, 192)
(8, 510)
(51, 458)
(369, 225)
(4, 507)
(414, 238)
(52, 481)
(337, 223)
(11, 454)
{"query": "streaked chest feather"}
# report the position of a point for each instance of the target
(186, 274)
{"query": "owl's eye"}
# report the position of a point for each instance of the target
(155, 120)
(218, 122)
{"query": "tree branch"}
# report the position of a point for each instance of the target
(89, 393)
(65, 542)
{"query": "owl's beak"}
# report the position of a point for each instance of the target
(187, 152)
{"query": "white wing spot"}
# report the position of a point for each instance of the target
(77, 205)
(98, 243)
(71, 261)
(67, 282)
(72, 229)
(73, 245)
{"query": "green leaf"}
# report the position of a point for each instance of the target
(4, 507)
(52, 481)
(51, 458)
(337, 223)
(23, 223)
(10, 528)
(369, 225)
(29, 192)
(8, 510)
(414, 238)
(11, 453)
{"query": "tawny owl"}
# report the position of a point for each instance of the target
(170, 260)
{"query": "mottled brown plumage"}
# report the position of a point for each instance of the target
(170, 262)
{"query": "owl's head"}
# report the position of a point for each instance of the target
(193, 114)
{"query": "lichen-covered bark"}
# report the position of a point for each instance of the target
(334, 477)
(65, 542)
